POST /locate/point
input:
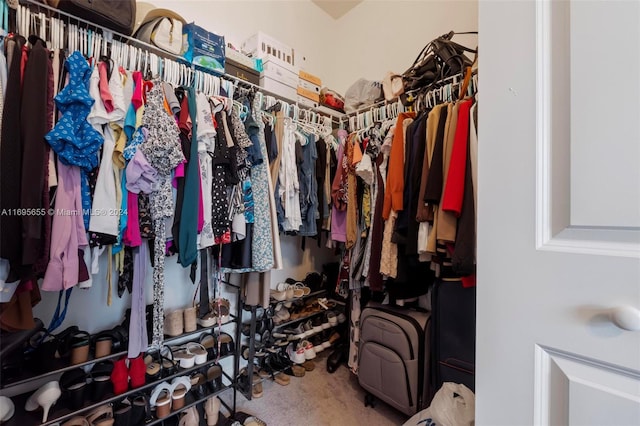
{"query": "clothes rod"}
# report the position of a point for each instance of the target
(163, 54)
(385, 102)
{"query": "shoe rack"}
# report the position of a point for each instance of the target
(246, 390)
(60, 412)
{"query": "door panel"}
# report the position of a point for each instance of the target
(581, 392)
(552, 264)
(604, 177)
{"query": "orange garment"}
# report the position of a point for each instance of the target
(395, 171)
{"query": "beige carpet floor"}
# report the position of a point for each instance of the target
(319, 398)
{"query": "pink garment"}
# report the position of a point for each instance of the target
(105, 93)
(200, 203)
(67, 233)
(178, 173)
(137, 99)
(131, 236)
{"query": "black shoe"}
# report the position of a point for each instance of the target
(122, 413)
(101, 384)
(335, 359)
(74, 384)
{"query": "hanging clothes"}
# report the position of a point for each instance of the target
(162, 151)
(206, 144)
(11, 162)
(262, 242)
(68, 234)
(34, 126)
(188, 239)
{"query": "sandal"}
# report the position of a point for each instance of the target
(122, 413)
(208, 341)
(199, 352)
(101, 416)
(282, 379)
(209, 320)
(101, 380)
(76, 421)
(101, 344)
(190, 417)
(298, 291)
(161, 399)
(179, 388)
(221, 307)
(190, 324)
(153, 364)
(73, 384)
(226, 344)
(184, 357)
(214, 378)
(140, 409)
(256, 389)
(198, 384)
(212, 410)
(174, 323)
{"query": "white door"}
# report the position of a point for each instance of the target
(559, 213)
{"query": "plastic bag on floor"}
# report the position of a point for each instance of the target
(453, 405)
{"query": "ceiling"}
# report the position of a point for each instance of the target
(336, 8)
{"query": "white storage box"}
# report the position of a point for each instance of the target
(275, 71)
(264, 46)
(253, 63)
(278, 88)
(308, 86)
(306, 102)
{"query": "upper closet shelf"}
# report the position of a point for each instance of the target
(54, 26)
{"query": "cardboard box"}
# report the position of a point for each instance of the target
(278, 88)
(308, 94)
(275, 71)
(310, 78)
(241, 71)
(306, 102)
(308, 86)
(203, 48)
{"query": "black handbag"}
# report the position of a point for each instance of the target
(117, 15)
(440, 58)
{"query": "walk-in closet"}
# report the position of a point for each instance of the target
(323, 213)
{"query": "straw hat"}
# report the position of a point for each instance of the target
(146, 12)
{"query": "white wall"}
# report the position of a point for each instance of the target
(379, 36)
(298, 24)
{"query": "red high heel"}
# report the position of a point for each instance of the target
(137, 370)
(120, 377)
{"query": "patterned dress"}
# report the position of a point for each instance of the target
(162, 150)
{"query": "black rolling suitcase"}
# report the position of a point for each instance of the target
(393, 357)
(454, 334)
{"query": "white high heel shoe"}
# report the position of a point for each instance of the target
(44, 397)
(6, 408)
